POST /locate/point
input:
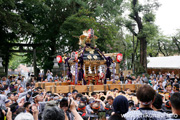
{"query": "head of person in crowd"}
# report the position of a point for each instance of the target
(69, 94)
(10, 96)
(131, 105)
(13, 78)
(24, 116)
(120, 106)
(82, 111)
(6, 87)
(160, 83)
(153, 82)
(84, 100)
(74, 93)
(2, 91)
(4, 79)
(50, 79)
(64, 104)
(175, 104)
(4, 83)
(91, 101)
(143, 75)
(48, 93)
(28, 86)
(176, 87)
(21, 89)
(116, 90)
(23, 77)
(78, 97)
(53, 112)
(37, 97)
(157, 103)
(128, 91)
(1, 85)
(146, 95)
(27, 106)
(16, 96)
(8, 102)
(110, 100)
(94, 95)
(95, 107)
(39, 89)
(82, 107)
(14, 107)
(168, 87)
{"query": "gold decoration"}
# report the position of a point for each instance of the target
(89, 57)
(95, 57)
(91, 51)
(84, 38)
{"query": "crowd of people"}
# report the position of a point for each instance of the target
(158, 98)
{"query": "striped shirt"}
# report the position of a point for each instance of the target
(145, 112)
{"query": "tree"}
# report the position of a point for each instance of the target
(16, 60)
(12, 28)
(176, 41)
(58, 21)
(146, 28)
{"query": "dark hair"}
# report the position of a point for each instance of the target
(78, 95)
(74, 91)
(145, 93)
(131, 103)
(5, 87)
(175, 101)
(84, 99)
(14, 107)
(34, 94)
(19, 110)
(93, 93)
(158, 101)
(28, 84)
(53, 113)
(9, 95)
(115, 89)
(26, 104)
(110, 97)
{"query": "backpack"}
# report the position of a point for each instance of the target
(146, 116)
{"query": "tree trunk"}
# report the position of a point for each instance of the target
(143, 53)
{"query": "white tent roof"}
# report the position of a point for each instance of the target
(170, 62)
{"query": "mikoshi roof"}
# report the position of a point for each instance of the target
(169, 62)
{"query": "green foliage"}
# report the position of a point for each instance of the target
(15, 61)
(58, 23)
(149, 17)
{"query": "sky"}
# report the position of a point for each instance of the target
(168, 16)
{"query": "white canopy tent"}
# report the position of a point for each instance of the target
(169, 62)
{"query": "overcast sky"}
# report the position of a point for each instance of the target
(168, 16)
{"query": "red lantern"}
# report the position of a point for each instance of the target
(76, 56)
(119, 57)
(59, 59)
(90, 33)
(101, 75)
